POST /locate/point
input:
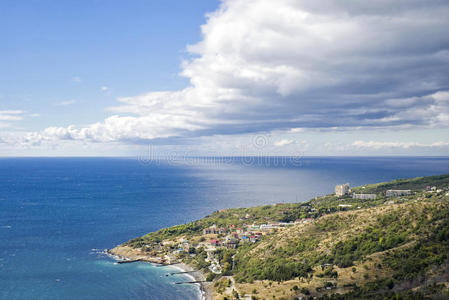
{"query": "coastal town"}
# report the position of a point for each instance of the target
(233, 236)
(210, 249)
(214, 238)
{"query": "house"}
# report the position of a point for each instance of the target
(342, 189)
(253, 239)
(168, 243)
(231, 243)
(184, 246)
(211, 230)
(239, 231)
(214, 242)
(253, 226)
(364, 196)
(265, 227)
(222, 230)
(397, 193)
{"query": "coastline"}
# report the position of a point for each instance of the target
(278, 254)
(126, 253)
(205, 287)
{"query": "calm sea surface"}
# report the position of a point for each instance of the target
(57, 213)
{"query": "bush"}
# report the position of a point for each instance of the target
(390, 284)
(210, 276)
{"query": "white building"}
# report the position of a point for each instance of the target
(397, 193)
(211, 230)
(342, 189)
(265, 227)
(364, 196)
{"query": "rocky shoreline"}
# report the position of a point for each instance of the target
(125, 253)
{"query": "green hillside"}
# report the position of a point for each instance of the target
(416, 184)
(329, 247)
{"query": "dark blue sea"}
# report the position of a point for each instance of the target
(57, 214)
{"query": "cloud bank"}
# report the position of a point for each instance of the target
(277, 65)
(391, 145)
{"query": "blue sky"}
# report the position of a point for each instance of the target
(215, 77)
(60, 51)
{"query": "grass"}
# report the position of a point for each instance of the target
(369, 249)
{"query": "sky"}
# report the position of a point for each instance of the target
(229, 77)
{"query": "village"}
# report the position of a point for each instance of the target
(213, 239)
(234, 235)
(223, 248)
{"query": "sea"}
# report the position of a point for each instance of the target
(57, 215)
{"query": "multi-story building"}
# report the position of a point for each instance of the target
(211, 230)
(342, 189)
(397, 193)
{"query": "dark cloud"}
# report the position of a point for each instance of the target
(267, 65)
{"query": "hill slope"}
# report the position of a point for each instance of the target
(331, 246)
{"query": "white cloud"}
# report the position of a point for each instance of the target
(11, 115)
(76, 79)
(283, 142)
(11, 112)
(104, 88)
(65, 103)
(403, 145)
(275, 65)
(7, 117)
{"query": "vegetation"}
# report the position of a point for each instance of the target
(348, 249)
(415, 184)
(431, 250)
